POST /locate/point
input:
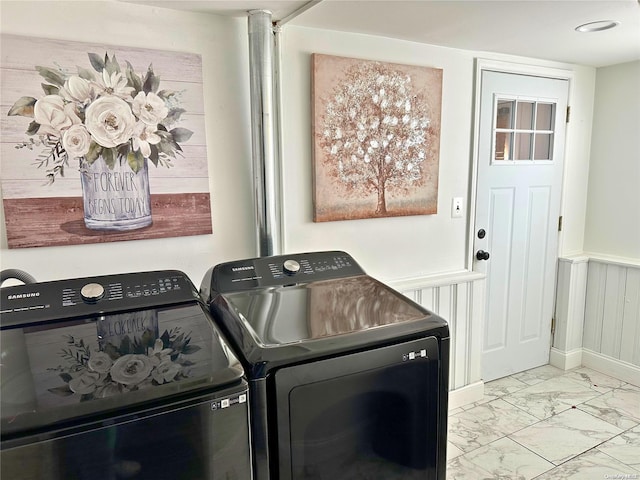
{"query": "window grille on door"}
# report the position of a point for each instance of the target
(523, 130)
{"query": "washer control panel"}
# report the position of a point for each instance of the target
(282, 270)
(41, 302)
(92, 292)
(290, 267)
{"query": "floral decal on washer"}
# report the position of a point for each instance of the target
(136, 362)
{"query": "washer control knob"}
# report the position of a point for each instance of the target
(291, 267)
(92, 292)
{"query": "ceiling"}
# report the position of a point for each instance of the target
(543, 29)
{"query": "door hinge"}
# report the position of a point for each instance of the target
(560, 223)
(568, 113)
(553, 325)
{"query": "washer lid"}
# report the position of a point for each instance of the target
(66, 370)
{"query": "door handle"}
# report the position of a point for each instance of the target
(482, 255)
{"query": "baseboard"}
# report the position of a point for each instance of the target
(624, 371)
(466, 395)
(565, 360)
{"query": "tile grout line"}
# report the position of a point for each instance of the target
(568, 375)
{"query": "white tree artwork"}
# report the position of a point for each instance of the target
(377, 135)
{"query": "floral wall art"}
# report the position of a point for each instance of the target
(376, 130)
(101, 143)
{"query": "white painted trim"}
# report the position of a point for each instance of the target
(565, 360)
(574, 259)
(516, 68)
(613, 260)
(473, 194)
(466, 395)
(478, 300)
(596, 361)
(484, 64)
(418, 283)
(523, 69)
(611, 366)
(601, 258)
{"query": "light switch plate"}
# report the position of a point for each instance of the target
(456, 207)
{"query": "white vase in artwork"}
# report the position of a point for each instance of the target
(115, 198)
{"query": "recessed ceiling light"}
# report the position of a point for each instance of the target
(597, 26)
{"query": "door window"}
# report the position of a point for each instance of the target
(523, 130)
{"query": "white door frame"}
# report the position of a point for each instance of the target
(506, 67)
(482, 64)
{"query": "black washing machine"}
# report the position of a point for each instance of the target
(348, 379)
(118, 377)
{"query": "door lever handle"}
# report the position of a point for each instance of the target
(482, 255)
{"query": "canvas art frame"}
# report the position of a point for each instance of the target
(376, 138)
(101, 143)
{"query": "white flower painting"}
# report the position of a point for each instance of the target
(376, 138)
(110, 121)
(82, 123)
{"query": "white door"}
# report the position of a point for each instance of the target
(520, 157)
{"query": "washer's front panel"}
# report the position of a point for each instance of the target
(204, 438)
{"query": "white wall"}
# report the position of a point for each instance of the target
(391, 248)
(387, 247)
(602, 285)
(576, 166)
(419, 246)
(613, 211)
(222, 43)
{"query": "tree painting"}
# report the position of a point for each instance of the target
(376, 130)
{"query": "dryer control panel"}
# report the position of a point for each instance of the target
(45, 301)
(282, 270)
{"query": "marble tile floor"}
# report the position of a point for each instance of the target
(548, 424)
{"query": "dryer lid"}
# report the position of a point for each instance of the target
(291, 308)
(318, 310)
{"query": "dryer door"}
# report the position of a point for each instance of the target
(380, 413)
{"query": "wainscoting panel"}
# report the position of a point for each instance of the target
(612, 311)
(599, 297)
(459, 299)
(630, 344)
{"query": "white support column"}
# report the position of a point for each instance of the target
(566, 352)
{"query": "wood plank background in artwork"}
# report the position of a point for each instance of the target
(62, 218)
(178, 71)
